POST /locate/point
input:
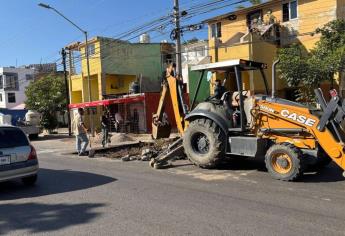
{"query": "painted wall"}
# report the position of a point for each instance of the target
(204, 91)
(134, 59)
(118, 84)
(22, 83)
(94, 59)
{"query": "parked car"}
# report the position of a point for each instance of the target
(18, 158)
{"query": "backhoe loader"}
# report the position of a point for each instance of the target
(290, 135)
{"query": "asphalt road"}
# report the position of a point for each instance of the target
(81, 196)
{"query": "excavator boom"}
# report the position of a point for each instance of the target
(161, 128)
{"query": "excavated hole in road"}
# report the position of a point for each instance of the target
(134, 150)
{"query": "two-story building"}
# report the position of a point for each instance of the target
(114, 66)
(255, 33)
(13, 82)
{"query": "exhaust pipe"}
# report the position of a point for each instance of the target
(274, 77)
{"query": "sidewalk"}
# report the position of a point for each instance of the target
(61, 140)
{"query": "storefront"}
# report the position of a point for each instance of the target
(135, 111)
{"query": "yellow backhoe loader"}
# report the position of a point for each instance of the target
(241, 123)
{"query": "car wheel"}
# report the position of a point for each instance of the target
(30, 181)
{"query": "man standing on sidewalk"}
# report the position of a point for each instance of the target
(105, 127)
(81, 133)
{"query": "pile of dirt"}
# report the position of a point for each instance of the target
(124, 152)
(120, 138)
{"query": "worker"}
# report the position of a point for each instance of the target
(80, 132)
(219, 89)
(118, 121)
(105, 127)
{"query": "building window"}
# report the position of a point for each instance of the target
(1, 82)
(289, 11)
(11, 81)
(29, 77)
(91, 49)
(216, 30)
(0, 97)
(11, 97)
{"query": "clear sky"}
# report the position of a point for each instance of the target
(31, 34)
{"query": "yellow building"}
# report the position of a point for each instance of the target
(255, 33)
(114, 65)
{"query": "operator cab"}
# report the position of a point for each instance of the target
(237, 100)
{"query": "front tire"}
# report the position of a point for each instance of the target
(30, 181)
(284, 162)
(204, 143)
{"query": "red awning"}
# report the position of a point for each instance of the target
(123, 100)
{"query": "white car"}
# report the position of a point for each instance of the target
(18, 158)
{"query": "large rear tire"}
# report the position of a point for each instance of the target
(204, 143)
(284, 162)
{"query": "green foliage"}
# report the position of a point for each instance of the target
(255, 2)
(192, 40)
(306, 70)
(47, 96)
(295, 68)
(239, 7)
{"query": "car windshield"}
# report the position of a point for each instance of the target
(12, 137)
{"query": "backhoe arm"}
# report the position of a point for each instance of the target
(160, 127)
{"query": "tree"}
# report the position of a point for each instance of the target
(306, 70)
(330, 51)
(296, 68)
(192, 40)
(255, 2)
(46, 95)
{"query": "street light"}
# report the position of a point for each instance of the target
(86, 51)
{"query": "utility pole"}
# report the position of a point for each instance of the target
(63, 53)
(178, 39)
(86, 54)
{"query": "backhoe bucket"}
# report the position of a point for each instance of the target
(161, 130)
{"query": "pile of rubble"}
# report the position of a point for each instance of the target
(144, 152)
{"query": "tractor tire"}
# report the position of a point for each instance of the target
(285, 162)
(204, 143)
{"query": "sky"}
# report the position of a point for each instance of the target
(31, 34)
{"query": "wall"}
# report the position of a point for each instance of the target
(204, 91)
(94, 59)
(134, 59)
(22, 82)
(118, 84)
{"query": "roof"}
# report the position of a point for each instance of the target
(226, 65)
(125, 99)
(77, 45)
(242, 11)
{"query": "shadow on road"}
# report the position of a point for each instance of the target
(330, 173)
(38, 218)
(53, 182)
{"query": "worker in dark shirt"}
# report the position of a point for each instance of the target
(219, 89)
(105, 127)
